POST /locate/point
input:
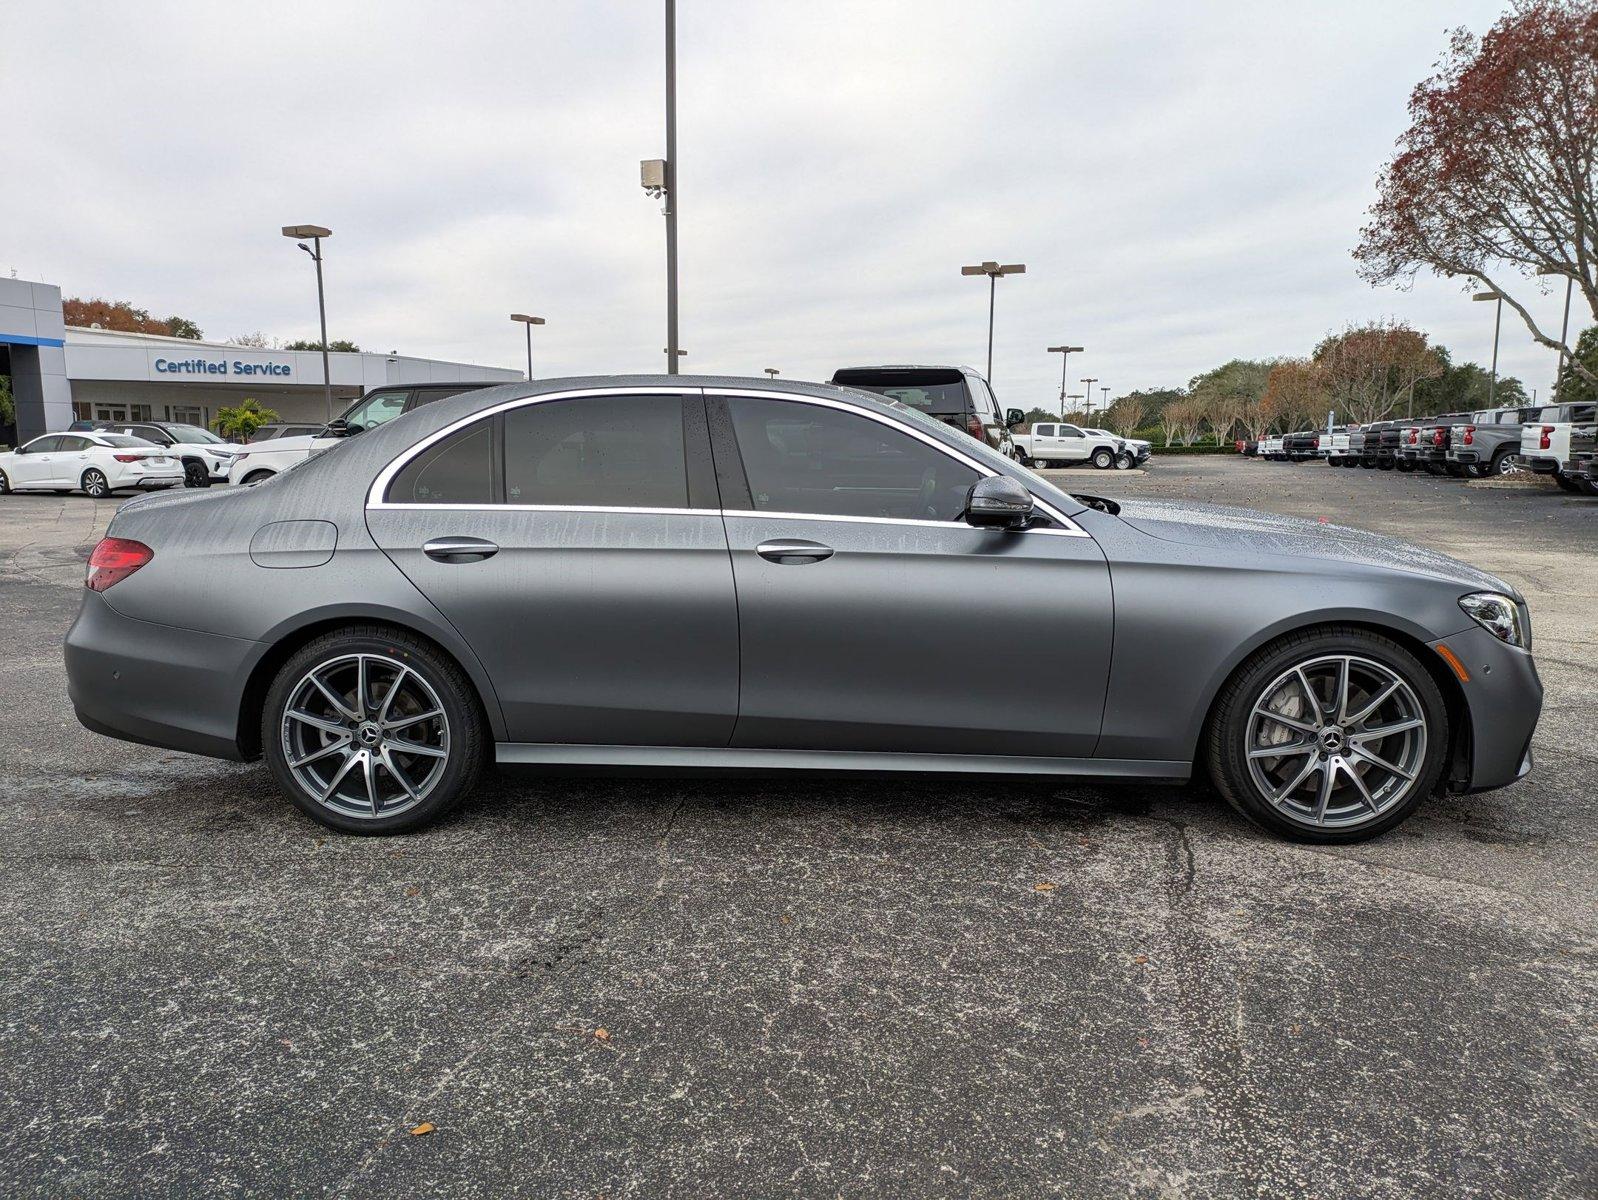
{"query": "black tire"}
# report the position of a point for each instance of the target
(1103, 458)
(94, 483)
(1501, 464)
(1584, 485)
(1404, 465)
(1226, 736)
(5, 484)
(1124, 461)
(1565, 482)
(1386, 465)
(1351, 462)
(256, 477)
(195, 475)
(1473, 470)
(1023, 458)
(466, 728)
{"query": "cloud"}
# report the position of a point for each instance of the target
(1184, 183)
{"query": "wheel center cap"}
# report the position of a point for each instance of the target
(368, 734)
(1331, 739)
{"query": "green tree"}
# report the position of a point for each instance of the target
(1572, 388)
(183, 327)
(336, 345)
(8, 403)
(1465, 388)
(239, 423)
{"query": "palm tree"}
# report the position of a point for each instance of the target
(239, 424)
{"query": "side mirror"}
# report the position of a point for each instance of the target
(339, 428)
(1014, 417)
(998, 502)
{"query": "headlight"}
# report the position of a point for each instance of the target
(1498, 615)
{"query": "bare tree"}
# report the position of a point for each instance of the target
(1293, 394)
(1126, 414)
(1368, 371)
(1495, 179)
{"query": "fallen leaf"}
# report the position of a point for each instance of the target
(425, 1127)
(1045, 886)
(787, 919)
(1140, 959)
(413, 891)
(602, 1034)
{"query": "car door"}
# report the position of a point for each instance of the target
(873, 618)
(574, 541)
(34, 462)
(72, 458)
(1073, 444)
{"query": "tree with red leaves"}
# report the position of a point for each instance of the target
(1495, 178)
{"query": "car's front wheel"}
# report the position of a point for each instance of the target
(1333, 735)
(1103, 459)
(195, 475)
(370, 730)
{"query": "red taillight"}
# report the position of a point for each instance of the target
(113, 560)
(1414, 436)
(1317, 443)
(1470, 435)
(1545, 444)
(127, 457)
(1437, 437)
(973, 426)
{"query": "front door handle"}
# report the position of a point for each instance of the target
(793, 551)
(459, 549)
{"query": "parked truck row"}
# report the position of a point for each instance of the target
(1551, 439)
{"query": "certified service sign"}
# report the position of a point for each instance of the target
(206, 366)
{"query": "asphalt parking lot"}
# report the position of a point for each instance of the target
(651, 988)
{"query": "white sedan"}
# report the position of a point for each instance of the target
(96, 463)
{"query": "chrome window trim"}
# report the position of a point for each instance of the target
(374, 494)
(375, 501)
(1069, 526)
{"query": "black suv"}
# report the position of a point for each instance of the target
(956, 396)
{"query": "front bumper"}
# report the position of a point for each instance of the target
(1504, 698)
(156, 684)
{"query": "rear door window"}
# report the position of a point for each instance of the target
(809, 458)
(598, 451)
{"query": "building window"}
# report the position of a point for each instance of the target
(186, 414)
(81, 411)
(141, 412)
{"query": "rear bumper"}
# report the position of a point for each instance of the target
(1505, 698)
(1543, 466)
(156, 684)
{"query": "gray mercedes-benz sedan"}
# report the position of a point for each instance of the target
(695, 572)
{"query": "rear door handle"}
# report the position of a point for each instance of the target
(459, 549)
(793, 551)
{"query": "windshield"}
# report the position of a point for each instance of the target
(192, 433)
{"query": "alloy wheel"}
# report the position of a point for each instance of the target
(94, 484)
(365, 736)
(1336, 741)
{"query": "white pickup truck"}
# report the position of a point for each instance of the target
(1545, 440)
(1055, 444)
(1333, 446)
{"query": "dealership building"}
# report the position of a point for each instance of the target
(60, 373)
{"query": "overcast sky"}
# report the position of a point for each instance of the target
(1184, 182)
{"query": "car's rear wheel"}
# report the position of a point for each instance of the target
(1124, 461)
(1023, 458)
(1333, 735)
(1473, 470)
(372, 731)
(1584, 485)
(1504, 462)
(255, 477)
(1565, 482)
(94, 483)
(1103, 459)
(5, 484)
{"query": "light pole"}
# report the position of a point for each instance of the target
(1073, 396)
(529, 322)
(1104, 399)
(1564, 327)
(992, 270)
(772, 371)
(316, 233)
(1065, 353)
(1090, 381)
(658, 177)
(1498, 318)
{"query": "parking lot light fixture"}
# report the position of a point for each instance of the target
(992, 270)
(314, 234)
(1090, 381)
(529, 322)
(1498, 320)
(1065, 353)
(772, 371)
(1564, 326)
